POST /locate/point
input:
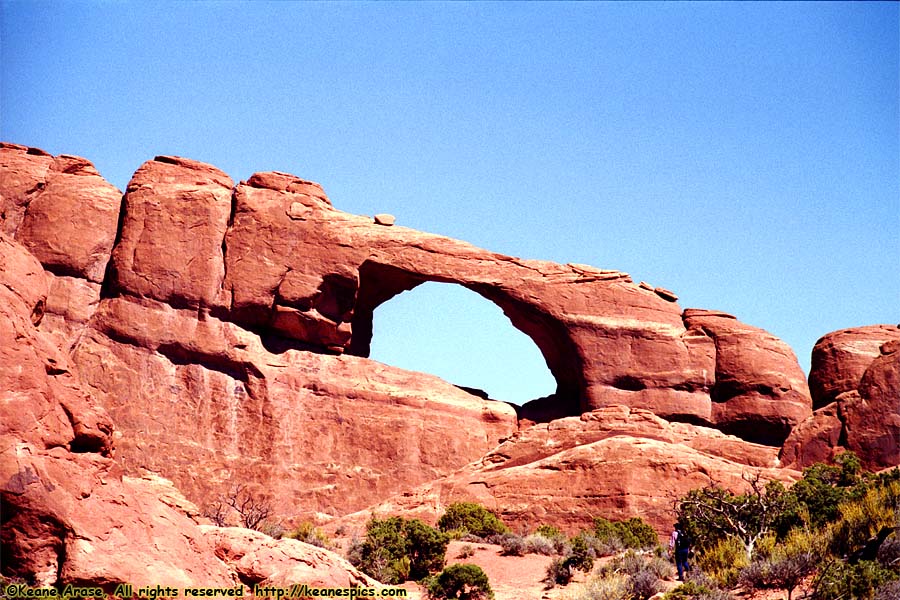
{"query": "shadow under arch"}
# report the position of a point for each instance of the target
(379, 283)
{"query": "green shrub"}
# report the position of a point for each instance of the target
(396, 549)
(581, 555)
(559, 572)
(631, 533)
(466, 551)
(472, 518)
(310, 534)
(638, 534)
(549, 531)
(723, 561)
(860, 581)
(460, 582)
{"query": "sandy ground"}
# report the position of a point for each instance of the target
(511, 577)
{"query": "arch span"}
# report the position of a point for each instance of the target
(379, 282)
(450, 331)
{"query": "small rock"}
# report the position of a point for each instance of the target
(298, 211)
(385, 219)
(666, 294)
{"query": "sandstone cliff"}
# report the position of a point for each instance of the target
(70, 514)
(217, 334)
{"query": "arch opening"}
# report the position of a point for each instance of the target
(449, 331)
(548, 349)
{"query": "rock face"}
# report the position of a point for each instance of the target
(855, 384)
(69, 512)
(223, 331)
(616, 462)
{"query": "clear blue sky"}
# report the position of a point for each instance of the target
(743, 155)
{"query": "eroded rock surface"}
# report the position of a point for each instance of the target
(616, 462)
(70, 513)
(224, 329)
(855, 380)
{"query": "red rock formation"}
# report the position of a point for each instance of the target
(69, 513)
(855, 380)
(615, 462)
(840, 359)
(760, 392)
(225, 331)
(23, 173)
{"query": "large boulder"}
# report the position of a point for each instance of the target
(855, 382)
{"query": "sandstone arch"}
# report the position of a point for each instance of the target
(379, 283)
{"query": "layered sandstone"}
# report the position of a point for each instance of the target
(224, 329)
(855, 381)
(70, 514)
(616, 462)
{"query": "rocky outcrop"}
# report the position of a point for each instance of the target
(840, 360)
(314, 435)
(224, 329)
(616, 462)
(855, 380)
(760, 392)
(261, 560)
(70, 514)
(227, 336)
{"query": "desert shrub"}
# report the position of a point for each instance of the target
(723, 561)
(272, 529)
(858, 520)
(605, 546)
(538, 544)
(785, 566)
(396, 549)
(472, 518)
(427, 548)
(512, 545)
(713, 514)
(613, 536)
(889, 552)
(642, 585)
(611, 587)
(309, 533)
(355, 551)
(460, 581)
(557, 538)
(860, 581)
(638, 534)
(466, 551)
(240, 505)
(549, 531)
(644, 572)
(559, 572)
(581, 555)
(632, 563)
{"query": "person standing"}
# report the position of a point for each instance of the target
(680, 544)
